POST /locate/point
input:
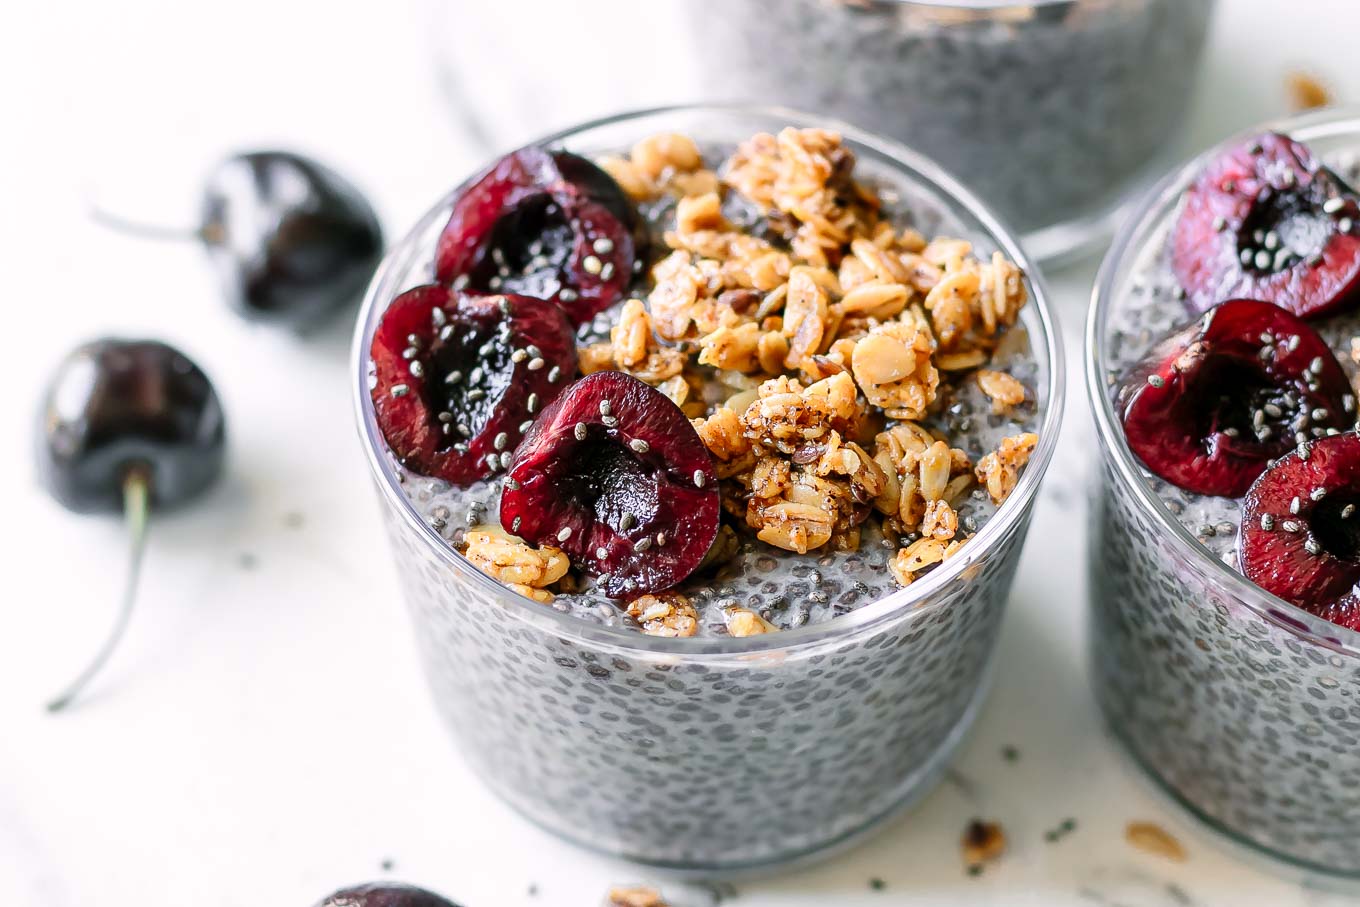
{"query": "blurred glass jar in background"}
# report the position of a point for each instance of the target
(1055, 111)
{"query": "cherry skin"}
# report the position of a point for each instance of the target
(132, 425)
(385, 894)
(292, 240)
(115, 407)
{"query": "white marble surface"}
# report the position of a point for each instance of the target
(264, 736)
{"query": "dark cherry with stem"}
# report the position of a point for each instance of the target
(130, 425)
(291, 240)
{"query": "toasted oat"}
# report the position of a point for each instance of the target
(699, 212)
(805, 316)
(513, 562)
(723, 434)
(595, 357)
(940, 521)
(539, 595)
(666, 151)
(745, 622)
(914, 558)
(1004, 390)
(634, 897)
(1000, 470)
(736, 348)
(983, 842)
(632, 336)
(892, 366)
(665, 614)
(1150, 837)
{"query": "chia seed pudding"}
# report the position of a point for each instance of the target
(965, 414)
(1223, 638)
(1054, 111)
(601, 724)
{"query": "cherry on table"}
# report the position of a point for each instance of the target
(290, 239)
(385, 894)
(130, 425)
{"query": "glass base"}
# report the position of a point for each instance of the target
(1225, 839)
(914, 788)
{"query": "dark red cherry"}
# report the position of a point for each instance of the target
(546, 224)
(615, 475)
(292, 240)
(1216, 401)
(1267, 221)
(385, 894)
(130, 425)
(1300, 535)
(458, 378)
(115, 407)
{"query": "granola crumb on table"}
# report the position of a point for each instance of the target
(634, 897)
(838, 339)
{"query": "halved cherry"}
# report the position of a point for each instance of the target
(1216, 401)
(1268, 221)
(1300, 535)
(615, 475)
(546, 224)
(457, 378)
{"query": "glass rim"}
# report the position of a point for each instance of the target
(898, 602)
(971, 5)
(1145, 216)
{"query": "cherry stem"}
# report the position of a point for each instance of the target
(146, 231)
(136, 510)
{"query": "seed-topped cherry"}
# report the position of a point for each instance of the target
(1268, 221)
(457, 379)
(548, 224)
(1300, 535)
(616, 476)
(291, 240)
(385, 894)
(130, 425)
(1216, 401)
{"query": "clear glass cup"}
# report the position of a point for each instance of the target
(714, 754)
(1241, 706)
(1056, 112)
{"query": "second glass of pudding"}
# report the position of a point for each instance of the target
(1242, 706)
(807, 697)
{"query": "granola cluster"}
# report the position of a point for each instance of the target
(833, 335)
(508, 560)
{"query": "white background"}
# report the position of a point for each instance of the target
(264, 736)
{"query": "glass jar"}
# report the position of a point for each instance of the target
(1055, 111)
(714, 754)
(1241, 706)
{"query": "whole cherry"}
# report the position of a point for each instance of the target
(385, 894)
(130, 425)
(291, 240)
